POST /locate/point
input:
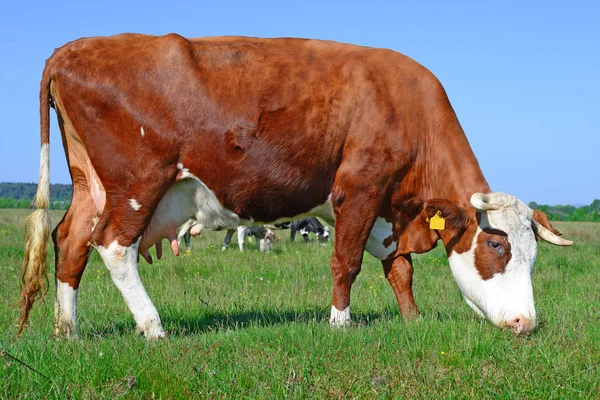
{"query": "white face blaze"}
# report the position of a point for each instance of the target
(506, 296)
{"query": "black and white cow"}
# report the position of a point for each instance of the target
(308, 225)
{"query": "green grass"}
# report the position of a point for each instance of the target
(252, 325)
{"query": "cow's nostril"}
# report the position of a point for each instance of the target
(520, 325)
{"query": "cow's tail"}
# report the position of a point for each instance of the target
(34, 281)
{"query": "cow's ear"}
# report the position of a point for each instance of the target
(456, 218)
(416, 232)
(413, 218)
(412, 224)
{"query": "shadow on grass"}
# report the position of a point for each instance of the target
(178, 324)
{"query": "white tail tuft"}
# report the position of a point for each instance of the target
(34, 281)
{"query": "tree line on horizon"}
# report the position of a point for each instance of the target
(20, 195)
(590, 213)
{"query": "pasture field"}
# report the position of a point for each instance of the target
(252, 325)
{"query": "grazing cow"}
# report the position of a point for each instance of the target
(309, 225)
(263, 235)
(162, 130)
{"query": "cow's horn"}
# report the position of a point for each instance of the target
(482, 202)
(548, 236)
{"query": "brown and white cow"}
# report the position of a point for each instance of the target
(226, 131)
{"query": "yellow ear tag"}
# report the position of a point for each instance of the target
(437, 222)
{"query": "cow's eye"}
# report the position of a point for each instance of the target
(495, 245)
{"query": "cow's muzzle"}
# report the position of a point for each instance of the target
(520, 325)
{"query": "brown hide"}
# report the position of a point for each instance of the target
(272, 127)
(264, 123)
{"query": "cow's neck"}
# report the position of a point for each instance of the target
(448, 166)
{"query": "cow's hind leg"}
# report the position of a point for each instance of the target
(121, 261)
(356, 206)
(123, 222)
(399, 273)
(71, 243)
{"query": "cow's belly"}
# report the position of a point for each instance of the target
(323, 211)
(189, 201)
(380, 244)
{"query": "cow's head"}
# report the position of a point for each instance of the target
(323, 235)
(491, 251)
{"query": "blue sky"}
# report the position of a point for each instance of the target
(523, 77)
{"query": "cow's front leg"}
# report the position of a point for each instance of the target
(356, 210)
(227, 239)
(121, 261)
(241, 231)
(305, 236)
(399, 273)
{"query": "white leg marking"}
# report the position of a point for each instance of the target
(241, 230)
(142, 131)
(65, 310)
(339, 318)
(134, 204)
(122, 263)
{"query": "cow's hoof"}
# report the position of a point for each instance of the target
(65, 330)
(153, 332)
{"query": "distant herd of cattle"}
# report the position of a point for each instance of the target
(264, 234)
